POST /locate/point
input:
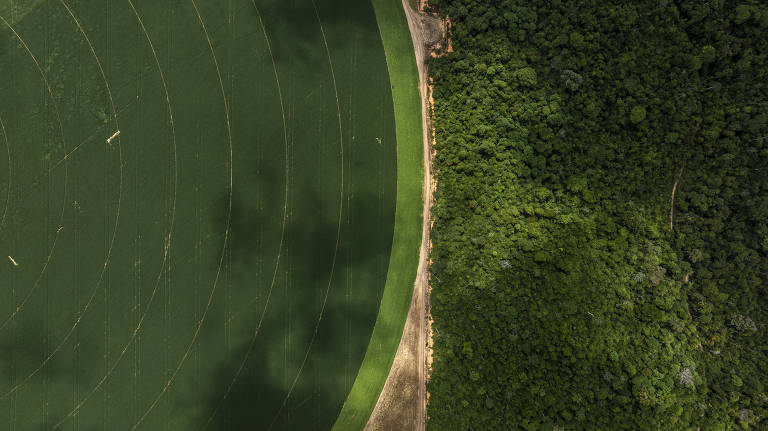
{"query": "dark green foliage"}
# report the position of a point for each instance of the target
(562, 299)
(637, 115)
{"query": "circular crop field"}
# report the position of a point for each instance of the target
(197, 201)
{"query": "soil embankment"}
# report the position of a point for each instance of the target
(402, 403)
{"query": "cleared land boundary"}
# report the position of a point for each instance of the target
(396, 300)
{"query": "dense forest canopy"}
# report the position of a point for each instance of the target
(600, 246)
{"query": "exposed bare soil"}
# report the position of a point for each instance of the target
(402, 403)
(672, 201)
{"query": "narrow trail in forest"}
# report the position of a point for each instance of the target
(402, 402)
(672, 200)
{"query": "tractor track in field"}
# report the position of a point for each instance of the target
(403, 400)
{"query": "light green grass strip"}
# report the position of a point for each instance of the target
(403, 262)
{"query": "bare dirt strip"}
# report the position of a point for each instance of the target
(672, 201)
(402, 402)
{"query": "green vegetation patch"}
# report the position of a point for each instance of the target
(562, 297)
(197, 204)
(403, 264)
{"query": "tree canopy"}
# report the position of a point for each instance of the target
(600, 238)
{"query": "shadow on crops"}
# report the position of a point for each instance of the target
(255, 399)
(249, 219)
(295, 30)
(28, 349)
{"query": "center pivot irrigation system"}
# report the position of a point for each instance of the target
(212, 211)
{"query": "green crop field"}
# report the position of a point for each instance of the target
(387, 332)
(197, 204)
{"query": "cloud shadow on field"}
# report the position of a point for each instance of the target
(28, 347)
(295, 33)
(256, 397)
(309, 240)
(337, 351)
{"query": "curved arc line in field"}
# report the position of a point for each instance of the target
(114, 230)
(407, 235)
(256, 331)
(168, 241)
(10, 175)
(226, 231)
(167, 245)
(338, 229)
(20, 306)
(63, 159)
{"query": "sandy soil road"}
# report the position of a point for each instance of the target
(402, 403)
